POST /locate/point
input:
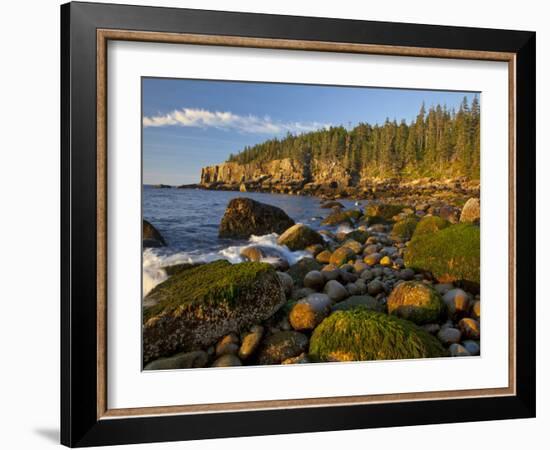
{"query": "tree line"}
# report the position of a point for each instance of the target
(438, 143)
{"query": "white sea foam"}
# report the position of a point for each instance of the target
(154, 259)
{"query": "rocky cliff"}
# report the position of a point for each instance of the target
(327, 179)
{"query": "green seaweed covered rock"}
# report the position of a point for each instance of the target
(362, 335)
(194, 308)
(417, 302)
(430, 224)
(404, 229)
(299, 236)
(450, 254)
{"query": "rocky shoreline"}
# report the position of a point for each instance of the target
(387, 281)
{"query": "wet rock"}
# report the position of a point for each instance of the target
(472, 347)
(372, 259)
(299, 236)
(353, 245)
(323, 257)
(228, 344)
(151, 236)
(299, 270)
(287, 282)
(196, 307)
(375, 287)
(341, 255)
(244, 217)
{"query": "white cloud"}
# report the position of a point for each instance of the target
(202, 118)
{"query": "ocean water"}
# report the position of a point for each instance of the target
(189, 220)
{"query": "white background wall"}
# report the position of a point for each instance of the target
(29, 223)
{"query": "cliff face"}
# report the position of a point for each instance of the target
(322, 178)
(285, 171)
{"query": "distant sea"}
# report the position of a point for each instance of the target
(189, 220)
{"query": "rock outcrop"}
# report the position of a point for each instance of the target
(244, 217)
(194, 308)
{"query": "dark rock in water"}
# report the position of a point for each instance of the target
(244, 217)
(299, 236)
(281, 346)
(151, 236)
(332, 204)
(179, 361)
(337, 217)
(162, 186)
(196, 307)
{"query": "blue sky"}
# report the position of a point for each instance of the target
(189, 124)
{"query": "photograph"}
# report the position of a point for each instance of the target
(296, 223)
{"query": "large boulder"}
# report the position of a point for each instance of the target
(470, 211)
(362, 335)
(299, 236)
(151, 236)
(450, 254)
(194, 308)
(244, 217)
(417, 302)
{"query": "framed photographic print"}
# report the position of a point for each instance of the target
(277, 224)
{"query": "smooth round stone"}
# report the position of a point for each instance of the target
(331, 272)
(389, 251)
(375, 287)
(348, 277)
(360, 266)
(472, 347)
(457, 302)
(229, 344)
(367, 275)
(287, 282)
(314, 280)
(302, 293)
(458, 350)
(227, 361)
(353, 245)
(385, 261)
(449, 335)
(352, 289)
(377, 272)
(370, 249)
(306, 314)
(443, 288)
(406, 274)
(315, 249)
(346, 267)
(476, 310)
(469, 328)
(336, 291)
(399, 263)
(323, 257)
(251, 341)
(361, 286)
(372, 259)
